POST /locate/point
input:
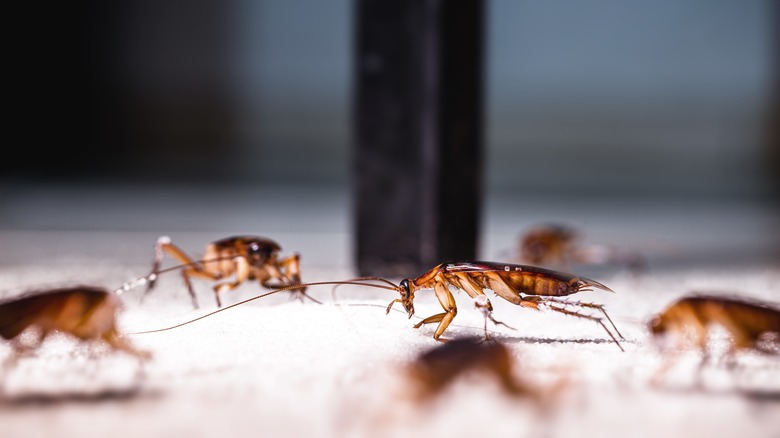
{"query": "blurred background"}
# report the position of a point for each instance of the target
(205, 115)
(650, 126)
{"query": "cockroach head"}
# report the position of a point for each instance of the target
(258, 253)
(656, 325)
(661, 334)
(407, 296)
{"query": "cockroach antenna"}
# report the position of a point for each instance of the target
(277, 290)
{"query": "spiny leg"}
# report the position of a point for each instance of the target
(583, 316)
(483, 305)
(598, 307)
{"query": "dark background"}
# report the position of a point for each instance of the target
(596, 98)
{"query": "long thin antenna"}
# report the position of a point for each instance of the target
(362, 279)
(281, 289)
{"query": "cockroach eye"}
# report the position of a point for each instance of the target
(405, 286)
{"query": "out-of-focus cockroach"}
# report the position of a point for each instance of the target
(245, 257)
(687, 323)
(548, 244)
(527, 286)
(560, 246)
(87, 313)
(431, 372)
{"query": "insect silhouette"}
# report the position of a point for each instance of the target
(431, 372)
(559, 246)
(527, 286)
(688, 322)
(244, 257)
(86, 313)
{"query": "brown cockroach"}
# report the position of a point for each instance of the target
(524, 285)
(246, 257)
(548, 244)
(527, 286)
(688, 322)
(558, 245)
(431, 372)
(87, 313)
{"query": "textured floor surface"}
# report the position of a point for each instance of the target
(279, 367)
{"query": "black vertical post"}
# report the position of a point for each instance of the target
(773, 117)
(418, 133)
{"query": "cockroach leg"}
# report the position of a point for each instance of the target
(564, 302)
(482, 304)
(447, 301)
(588, 317)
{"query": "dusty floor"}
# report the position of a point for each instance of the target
(279, 367)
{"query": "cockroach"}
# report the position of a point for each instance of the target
(548, 244)
(86, 313)
(524, 285)
(687, 323)
(245, 257)
(431, 372)
(558, 245)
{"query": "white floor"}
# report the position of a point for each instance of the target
(278, 367)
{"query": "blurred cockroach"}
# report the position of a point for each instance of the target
(548, 244)
(248, 257)
(526, 286)
(557, 245)
(688, 322)
(437, 368)
(87, 313)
